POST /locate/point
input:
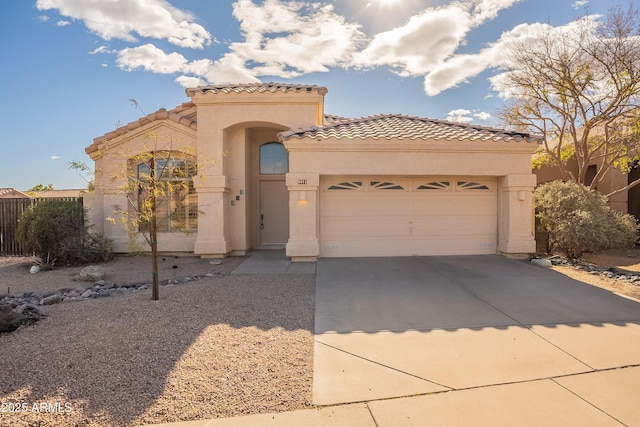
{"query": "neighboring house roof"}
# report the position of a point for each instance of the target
(181, 114)
(11, 193)
(398, 126)
(54, 193)
(256, 87)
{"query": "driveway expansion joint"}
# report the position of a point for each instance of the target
(383, 365)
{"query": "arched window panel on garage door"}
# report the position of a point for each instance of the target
(346, 185)
(472, 186)
(385, 185)
(435, 185)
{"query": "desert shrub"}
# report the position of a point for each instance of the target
(579, 219)
(57, 230)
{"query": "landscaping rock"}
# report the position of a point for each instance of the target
(541, 262)
(91, 273)
(87, 293)
(31, 311)
(51, 299)
(10, 321)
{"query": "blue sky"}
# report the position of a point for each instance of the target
(70, 67)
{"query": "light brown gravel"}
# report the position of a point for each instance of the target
(218, 347)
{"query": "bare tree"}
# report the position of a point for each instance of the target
(157, 182)
(579, 87)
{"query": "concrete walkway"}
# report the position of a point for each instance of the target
(270, 261)
(449, 341)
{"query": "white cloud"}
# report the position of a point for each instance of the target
(459, 68)
(186, 81)
(62, 23)
(122, 19)
(55, 157)
(421, 44)
(230, 69)
(579, 3)
(43, 18)
(150, 58)
(102, 49)
(281, 38)
(429, 38)
(290, 38)
(482, 115)
(460, 116)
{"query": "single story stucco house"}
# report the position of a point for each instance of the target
(265, 166)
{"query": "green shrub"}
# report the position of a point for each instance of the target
(579, 219)
(57, 230)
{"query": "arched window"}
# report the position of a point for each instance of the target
(176, 200)
(273, 159)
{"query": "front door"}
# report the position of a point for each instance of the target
(274, 212)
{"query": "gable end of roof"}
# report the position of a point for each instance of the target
(162, 114)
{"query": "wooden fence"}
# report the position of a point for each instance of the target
(10, 212)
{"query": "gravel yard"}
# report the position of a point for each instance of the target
(220, 346)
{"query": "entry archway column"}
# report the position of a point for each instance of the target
(213, 196)
(303, 244)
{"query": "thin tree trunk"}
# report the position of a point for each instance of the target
(153, 230)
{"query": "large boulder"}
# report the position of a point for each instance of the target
(91, 273)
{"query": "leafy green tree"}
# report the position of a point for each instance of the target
(579, 219)
(579, 87)
(41, 187)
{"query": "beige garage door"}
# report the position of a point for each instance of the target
(385, 216)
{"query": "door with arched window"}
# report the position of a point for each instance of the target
(274, 196)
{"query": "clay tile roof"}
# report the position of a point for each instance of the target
(162, 114)
(257, 88)
(398, 126)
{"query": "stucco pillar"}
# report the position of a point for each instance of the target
(516, 227)
(213, 199)
(303, 244)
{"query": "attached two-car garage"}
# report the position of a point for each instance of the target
(404, 216)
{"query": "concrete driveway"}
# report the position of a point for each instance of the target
(473, 340)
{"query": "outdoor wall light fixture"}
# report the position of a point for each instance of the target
(303, 196)
(521, 195)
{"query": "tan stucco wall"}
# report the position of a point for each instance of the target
(111, 172)
(614, 180)
(510, 162)
(229, 127)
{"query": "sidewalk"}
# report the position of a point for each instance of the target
(605, 398)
